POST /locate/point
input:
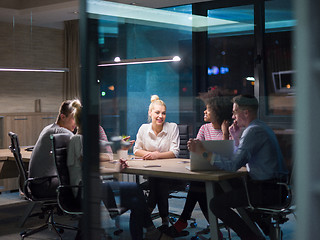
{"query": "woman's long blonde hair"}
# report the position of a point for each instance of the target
(155, 100)
(76, 104)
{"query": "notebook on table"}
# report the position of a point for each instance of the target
(223, 147)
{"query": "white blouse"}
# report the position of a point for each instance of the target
(167, 140)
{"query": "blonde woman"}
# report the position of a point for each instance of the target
(158, 140)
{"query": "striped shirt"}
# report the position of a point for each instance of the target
(103, 137)
(208, 132)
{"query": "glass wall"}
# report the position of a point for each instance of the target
(128, 34)
(126, 90)
(231, 45)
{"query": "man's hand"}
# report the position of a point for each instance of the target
(235, 132)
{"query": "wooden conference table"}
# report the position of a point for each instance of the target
(177, 169)
(174, 168)
(6, 154)
(8, 169)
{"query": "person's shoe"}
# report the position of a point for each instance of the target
(180, 225)
(172, 232)
(156, 235)
(163, 228)
(165, 237)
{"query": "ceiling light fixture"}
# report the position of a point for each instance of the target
(118, 62)
(52, 70)
(252, 79)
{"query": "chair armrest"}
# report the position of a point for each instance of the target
(276, 208)
(40, 179)
(114, 212)
(244, 179)
(35, 180)
(105, 178)
(70, 186)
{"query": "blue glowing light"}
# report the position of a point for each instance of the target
(214, 70)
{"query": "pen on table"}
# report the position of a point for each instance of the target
(147, 166)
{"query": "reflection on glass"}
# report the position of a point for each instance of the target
(280, 75)
(230, 58)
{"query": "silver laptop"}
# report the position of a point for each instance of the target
(223, 147)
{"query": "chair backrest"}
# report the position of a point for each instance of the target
(15, 149)
(184, 137)
(66, 199)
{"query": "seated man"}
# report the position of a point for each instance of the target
(41, 162)
(258, 149)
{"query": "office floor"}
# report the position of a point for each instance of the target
(12, 208)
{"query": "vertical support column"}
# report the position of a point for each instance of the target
(199, 54)
(213, 221)
(307, 115)
(259, 67)
(90, 118)
(199, 62)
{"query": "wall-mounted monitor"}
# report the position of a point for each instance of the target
(283, 81)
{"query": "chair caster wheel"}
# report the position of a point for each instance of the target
(118, 232)
(60, 230)
(193, 225)
(173, 219)
(195, 238)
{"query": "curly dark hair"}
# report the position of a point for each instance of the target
(219, 102)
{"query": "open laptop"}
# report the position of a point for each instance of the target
(223, 147)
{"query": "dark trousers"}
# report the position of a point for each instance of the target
(262, 193)
(45, 189)
(159, 194)
(196, 193)
(132, 198)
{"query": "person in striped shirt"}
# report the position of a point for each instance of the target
(218, 114)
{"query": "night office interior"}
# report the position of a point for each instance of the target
(269, 49)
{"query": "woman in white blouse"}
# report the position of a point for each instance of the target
(158, 140)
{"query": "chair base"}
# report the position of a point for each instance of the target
(50, 225)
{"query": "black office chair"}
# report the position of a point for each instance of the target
(275, 214)
(66, 200)
(184, 138)
(49, 205)
(183, 187)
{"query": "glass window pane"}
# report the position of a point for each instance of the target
(126, 90)
(280, 82)
(231, 49)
